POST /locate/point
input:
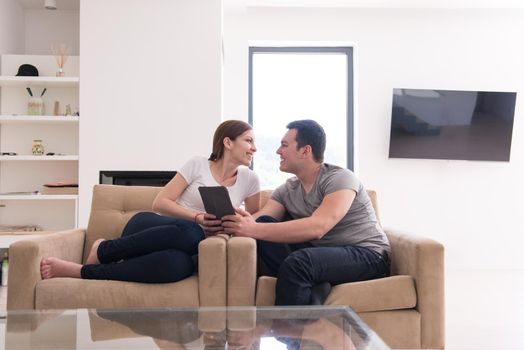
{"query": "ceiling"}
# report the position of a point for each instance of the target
(75, 4)
(60, 4)
(377, 3)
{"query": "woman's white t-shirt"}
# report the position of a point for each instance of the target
(197, 173)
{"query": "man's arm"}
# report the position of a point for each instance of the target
(332, 209)
(273, 209)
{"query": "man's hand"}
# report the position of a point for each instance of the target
(242, 224)
(211, 225)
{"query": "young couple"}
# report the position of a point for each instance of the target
(333, 236)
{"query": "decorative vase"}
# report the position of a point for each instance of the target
(60, 72)
(38, 148)
(35, 106)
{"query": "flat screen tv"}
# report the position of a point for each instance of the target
(445, 124)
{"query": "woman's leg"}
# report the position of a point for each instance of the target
(178, 327)
(144, 220)
(139, 222)
(182, 235)
(158, 267)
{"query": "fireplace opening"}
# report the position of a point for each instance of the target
(136, 178)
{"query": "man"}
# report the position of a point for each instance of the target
(333, 236)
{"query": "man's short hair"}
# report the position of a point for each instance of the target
(309, 132)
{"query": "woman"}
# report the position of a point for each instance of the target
(157, 248)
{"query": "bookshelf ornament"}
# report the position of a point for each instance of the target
(35, 105)
(61, 55)
(38, 148)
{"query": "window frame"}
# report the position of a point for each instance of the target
(348, 51)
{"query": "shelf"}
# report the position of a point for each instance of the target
(38, 197)
(13, 119)
(39, 81)
(37, 158)
(7, 239)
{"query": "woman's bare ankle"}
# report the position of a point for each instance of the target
(92, 258)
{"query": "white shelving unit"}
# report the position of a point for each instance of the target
(38, 197)
(38, 81)
(24, 173)
(8, 119)
(37, 158)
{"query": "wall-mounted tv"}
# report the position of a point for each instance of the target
(445, 124)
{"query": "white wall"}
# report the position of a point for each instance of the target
(471, 207)
(11, 27)
(45, 28)
(150, 85)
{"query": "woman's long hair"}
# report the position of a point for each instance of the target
(231, 129)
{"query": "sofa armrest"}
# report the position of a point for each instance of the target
(212, 270)
(24, 261)
(423, 259)
(242, 271)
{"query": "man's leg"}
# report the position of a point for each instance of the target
(319, 293)
(270, 255)
(305, 268)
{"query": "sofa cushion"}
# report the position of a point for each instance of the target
(390, 293)
(71, 293)
(112, 207)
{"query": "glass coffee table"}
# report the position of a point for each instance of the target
(263, 328)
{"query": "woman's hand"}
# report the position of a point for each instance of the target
(242, 224)
(211, 225)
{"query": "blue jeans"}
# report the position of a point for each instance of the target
(300, 268)
(152, 249)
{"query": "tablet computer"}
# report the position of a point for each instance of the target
(216, 200)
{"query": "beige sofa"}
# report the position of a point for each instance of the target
(405, 309)
(112, 207)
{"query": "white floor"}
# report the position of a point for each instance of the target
(484, 309)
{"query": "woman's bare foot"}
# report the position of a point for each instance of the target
(54, 267)
(92, 258)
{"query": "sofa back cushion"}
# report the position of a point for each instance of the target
(112, 207)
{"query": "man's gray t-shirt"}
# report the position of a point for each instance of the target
(358, 227)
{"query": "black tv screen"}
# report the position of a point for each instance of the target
(445, 124)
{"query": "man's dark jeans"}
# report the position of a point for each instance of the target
(300, 268)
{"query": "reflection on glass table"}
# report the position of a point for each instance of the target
(190, 328)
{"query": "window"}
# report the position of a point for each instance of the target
(287, 84)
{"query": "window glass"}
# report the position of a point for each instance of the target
(287, 86)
